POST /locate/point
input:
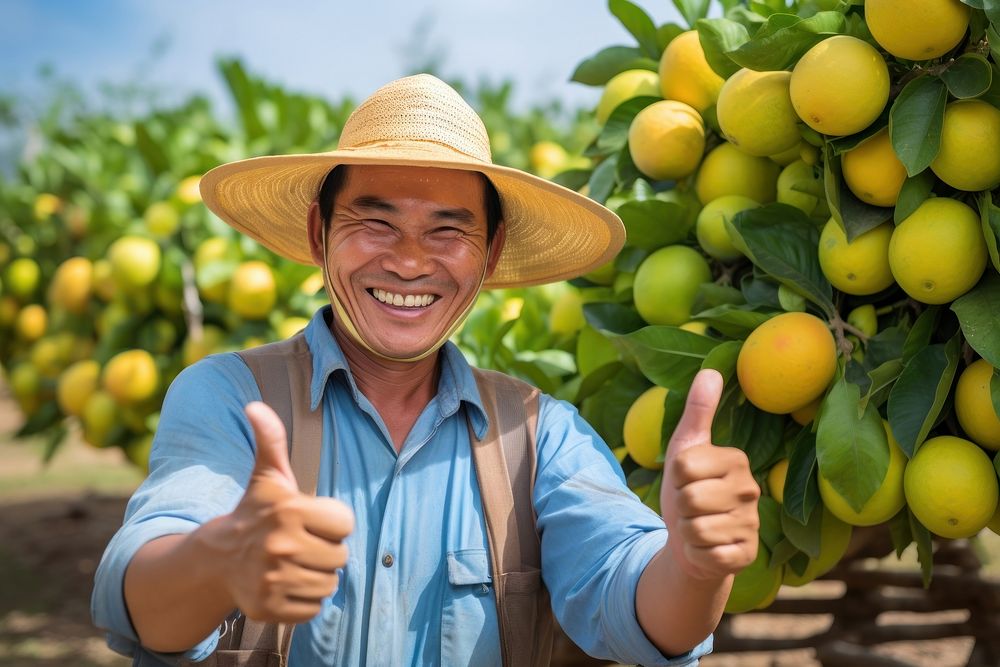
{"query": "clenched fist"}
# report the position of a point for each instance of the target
(708, 497)
(284, 547)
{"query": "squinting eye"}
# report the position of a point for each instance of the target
(448, 231)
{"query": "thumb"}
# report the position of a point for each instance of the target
(272, 443)
(695, 425)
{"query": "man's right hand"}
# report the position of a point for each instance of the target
(285, 547)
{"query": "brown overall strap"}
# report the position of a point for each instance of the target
(505, 462)
(283, 371)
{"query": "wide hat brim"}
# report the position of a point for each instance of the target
(553, 233)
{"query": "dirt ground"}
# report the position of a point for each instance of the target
(56, 520)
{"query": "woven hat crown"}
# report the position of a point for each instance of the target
(418, 109)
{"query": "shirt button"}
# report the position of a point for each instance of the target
(387, 560)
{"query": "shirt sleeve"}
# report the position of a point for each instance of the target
(597, 537)
(200, 463)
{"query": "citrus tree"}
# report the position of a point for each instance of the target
(114, 276)
(809, 193)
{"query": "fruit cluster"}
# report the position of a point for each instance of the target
(808, 189)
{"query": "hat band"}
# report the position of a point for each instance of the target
(429, 146)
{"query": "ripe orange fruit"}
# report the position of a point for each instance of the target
(787, 362)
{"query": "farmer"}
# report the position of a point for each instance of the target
(390, 563)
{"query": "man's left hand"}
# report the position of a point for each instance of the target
(709, 496)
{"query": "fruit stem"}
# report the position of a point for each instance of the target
(839, 327)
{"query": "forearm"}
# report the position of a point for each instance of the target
(676, 611)
(174, 592)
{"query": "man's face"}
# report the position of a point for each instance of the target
(407, 249)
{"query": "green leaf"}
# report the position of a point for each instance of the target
(782, 241)
(801, 489)
(989, 214)
(654, 223)
(599, 68)
(995, 391)
(596, 379)
(245, 97)
(915, 191)
(920, 392)
(977, 314)
(735, 321)
(666, 34)
(851, 448)
(915, 122)
(605, 409)
(53, 440)
(718, 37)
(855, 216)
(991, 7)
(574, 179)
(881, 380)
(783, 552)
(885, 346)
(673, 409)
(613, 317)
(805, 536)
(151, 150)
(668, 356)
(739, 424)
(769, 511)
(692, 10)
(45, 417)
(920, 333)
(899, 531)
(925, 552)
(637, 22)
(626, 173)
(723, 358)
(785, 38)
(614, 136)
(602, 181)
(969, 75)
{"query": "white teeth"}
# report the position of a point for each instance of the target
(408, 301)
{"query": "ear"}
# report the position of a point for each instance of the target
(315, 230)
(496, 247)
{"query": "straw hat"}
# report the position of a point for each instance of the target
(553, 233)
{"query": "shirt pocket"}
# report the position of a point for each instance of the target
(469, 631)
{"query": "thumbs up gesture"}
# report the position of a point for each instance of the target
(282, 547)
(708, 497)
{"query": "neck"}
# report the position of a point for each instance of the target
(399, 385)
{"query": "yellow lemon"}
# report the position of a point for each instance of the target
(800, 186)
(974, 407)
(131, 376)
(755, 112)
(873, 172)
(46, 205)
(593, 350)
(710, 227)
(727, 170)
(951, 487)
(969, 158)
(566, 315)
(755, 585)
(859, 267)
(72, 285)
(667, 282)
(786, 157)
(21, 277)
(212, 340)
(643, 429)
(840, 86)
(100, 415)
(31, 322)
(291, 326)
(887, 500)
(547, 158)
(216, 249)
(103, 282)
(917, 29)
(835, 537)
(938, 253)
(76, 384)
(787, 362)
(686, 76)
(624, 86)
(776, 480)
(252, 290)
(162, 219)
(666, 140)
(188, 190)
(699, 328)
(806, 413)
(135, 262)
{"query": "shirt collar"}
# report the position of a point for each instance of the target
(457, 383)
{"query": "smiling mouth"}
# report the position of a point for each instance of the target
(402, 300)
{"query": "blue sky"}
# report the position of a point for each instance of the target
(326, 47)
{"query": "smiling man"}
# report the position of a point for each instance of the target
(396, 558)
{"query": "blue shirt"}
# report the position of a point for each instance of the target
(434, 605)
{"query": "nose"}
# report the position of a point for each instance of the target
(408, 258)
